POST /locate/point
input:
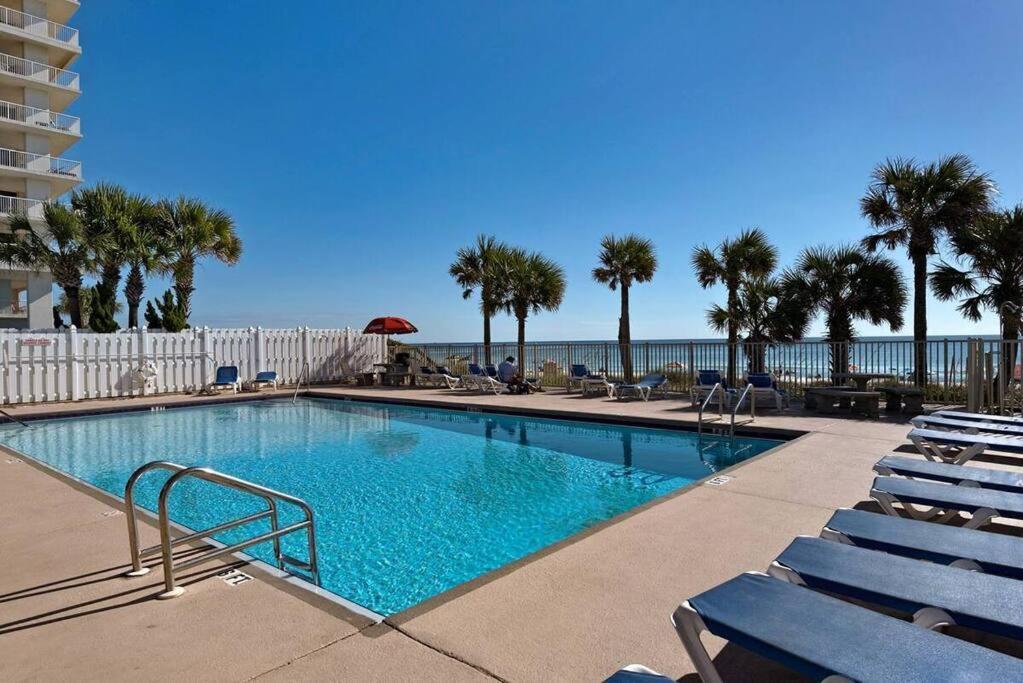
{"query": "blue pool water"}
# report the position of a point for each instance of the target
(409, 501)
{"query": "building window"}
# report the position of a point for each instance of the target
(13, 298)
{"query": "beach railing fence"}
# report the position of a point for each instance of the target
(69, 365)
(796, 365)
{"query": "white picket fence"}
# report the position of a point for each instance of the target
(71, 365)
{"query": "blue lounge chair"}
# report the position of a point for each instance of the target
(967, 426)
(579, 375)
(644, 388)
(483, 381)
(706, 380)
(766, 391)
(914, 468)
(935, 595)
(978, 417)
(943, 502)
(821, 636)
(998, 554)
(267, 378)
(226, 377)
(958, 448)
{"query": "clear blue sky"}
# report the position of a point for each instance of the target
(358, 145)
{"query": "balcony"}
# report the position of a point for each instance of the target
(63, 173)
(62, 84)
(63, 130)
(33, 208)
(60, 39)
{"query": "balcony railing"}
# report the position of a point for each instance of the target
(29, 207)
(39, 26)
(41, 163)
(38, 71)
(44, 118)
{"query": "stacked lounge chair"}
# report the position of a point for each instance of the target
(829, 605)
(766, 391)
(706, 380)
(579, 375)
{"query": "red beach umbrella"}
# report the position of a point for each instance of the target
(390, 326)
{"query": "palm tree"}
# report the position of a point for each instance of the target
(107, 211)
(749, 256)
(189, 230)
(477, 267)
(64, 248)
(533, 284)
(144, 252)
(765, 314)
(915, 206)
(991, 251)
(847, 284)
(625, 261)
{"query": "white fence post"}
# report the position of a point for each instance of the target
(307, 350)
(258, 362)
(74, 379)
(204, 350)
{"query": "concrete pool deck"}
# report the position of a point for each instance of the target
(576, 612)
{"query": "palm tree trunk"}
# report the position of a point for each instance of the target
(733, 333)
(486, 336)
(184, 281)
(1010, 335)
(522, 344)
(920, 319)
(625, 335)
(75, 304)
(134, 289)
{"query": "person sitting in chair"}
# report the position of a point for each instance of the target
(508, 373)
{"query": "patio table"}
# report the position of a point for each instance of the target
(860, 379)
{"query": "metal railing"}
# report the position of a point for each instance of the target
(167, 543)
(718, 390)
(304, 372)
(796, 365)
(40, 163)
(43, 118)
(39, 26)
(39, 71)
(748, 391)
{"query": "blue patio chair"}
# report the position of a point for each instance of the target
(998, 554)
(266, 378)
(766, 391)
(706, 380)
(951, 424)
(942, 502)
(226, 377)
(644, 388)
(579, 375)
(820, 636)
(930, 593)
(957, 447)
(985, 478)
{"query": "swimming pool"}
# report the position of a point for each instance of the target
(409, 501)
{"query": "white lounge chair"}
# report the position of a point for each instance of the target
(484, 382)
(706, 380)
(766, 391)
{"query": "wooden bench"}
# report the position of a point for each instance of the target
(904, 399)
(863, 402)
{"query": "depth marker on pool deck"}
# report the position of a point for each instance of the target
(719, 480)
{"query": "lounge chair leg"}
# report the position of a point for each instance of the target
(836, 536)
(886, 501)
(782, 572)
(689, 626)
(980, 518)
(932, 619)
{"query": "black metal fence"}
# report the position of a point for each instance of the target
(796, 365)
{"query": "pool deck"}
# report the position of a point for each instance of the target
(574, 612)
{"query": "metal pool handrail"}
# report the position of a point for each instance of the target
(752, 407)
(167, 543)
(703, 406)
(303, 372)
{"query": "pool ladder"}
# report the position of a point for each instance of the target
(165, 548)
(304, 372)
(719, 391)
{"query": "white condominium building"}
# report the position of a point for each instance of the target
(36, 86)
